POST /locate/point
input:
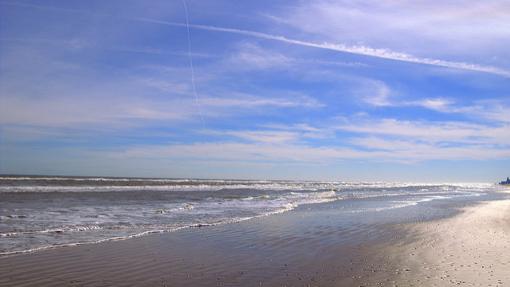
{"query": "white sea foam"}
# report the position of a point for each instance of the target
(319, 198)
(214, 185)
(95, 214)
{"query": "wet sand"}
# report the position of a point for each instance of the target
(310, 246)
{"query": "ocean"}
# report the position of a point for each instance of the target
(38, 212)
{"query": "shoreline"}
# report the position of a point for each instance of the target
(302, 247)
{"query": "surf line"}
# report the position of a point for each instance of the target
(192, 69)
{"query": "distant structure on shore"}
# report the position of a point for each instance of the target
(506, 182)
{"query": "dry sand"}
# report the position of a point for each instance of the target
(470, 249)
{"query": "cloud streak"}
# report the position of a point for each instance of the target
(378, 94)
(338, 47)
(358, 50)
(286, 151)
(458, 133)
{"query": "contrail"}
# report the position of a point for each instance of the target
(358, 50)
(192, 69)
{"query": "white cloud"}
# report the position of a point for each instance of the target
(67, 94)
(352, 49)
(286, 151)
(430, 132)
(129, 110)
(412, 150)
(379, 94)
(326, 14)
(373, 140)
(260, 136)
(445, 27)
(66, 111)
(374, 93)
(243, 100)
(251, 56)
(302, 131)
(437, 104)
(245, 152)
(493, 110)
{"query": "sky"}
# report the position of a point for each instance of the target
(305, 90)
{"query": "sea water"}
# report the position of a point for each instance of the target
(46, 212)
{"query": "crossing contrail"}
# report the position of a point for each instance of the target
(338, 47)
(192, 69)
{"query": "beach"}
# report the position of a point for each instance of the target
(232, 143)
(433, 243)
(470, 249)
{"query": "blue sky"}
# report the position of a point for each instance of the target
(316, 90)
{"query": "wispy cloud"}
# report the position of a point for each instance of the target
(427, 131)
(63, 94)
(338, 47)
(374, 93)
(259, 136)
(418, 27)
(292, 93)
(249, 55)
(410, 150)
(489, 110)
(243, 100)
(387, 140)
(378, 94)
(245, 152)
(284, 152)
(252, 56)
(129, 110)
